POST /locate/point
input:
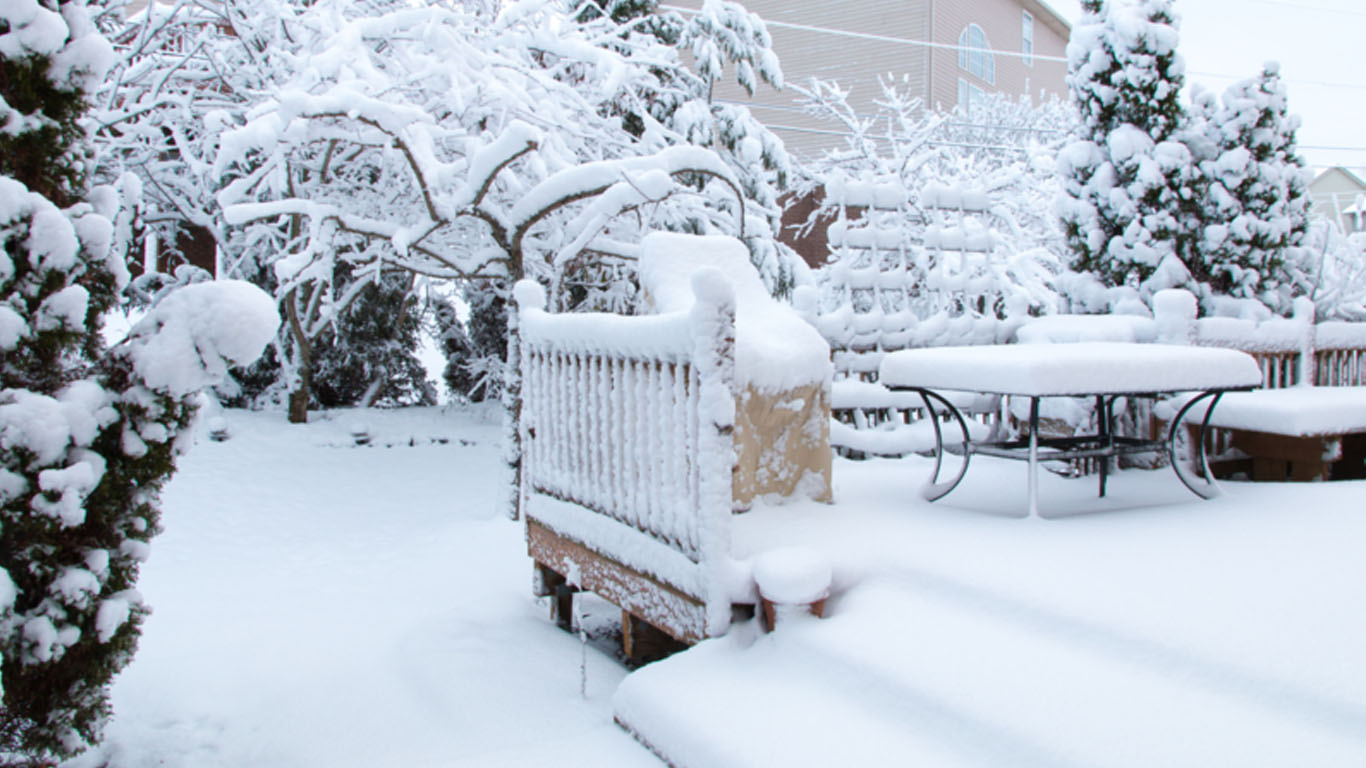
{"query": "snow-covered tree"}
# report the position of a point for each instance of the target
(1328, 267)
(369, 355)
(1129, 205)
(476, 348)
(88, 435)
(454, 140)
(948, 210)
(1257, 191)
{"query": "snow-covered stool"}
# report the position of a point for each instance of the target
(1298, 433)
(791, 581)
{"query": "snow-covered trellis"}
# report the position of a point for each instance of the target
(626, 427)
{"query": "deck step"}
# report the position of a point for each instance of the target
(916, 669)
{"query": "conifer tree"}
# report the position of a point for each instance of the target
(1257, 192)
(88, 435)
(369, 355)
(1128, 207)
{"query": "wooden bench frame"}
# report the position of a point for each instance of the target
(613, 408)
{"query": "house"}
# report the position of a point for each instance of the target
(949, 52)
(1340, 195)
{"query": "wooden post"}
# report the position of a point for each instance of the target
(1304, 313)
(642, 642)
(713, 321)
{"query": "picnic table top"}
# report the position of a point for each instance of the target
(1081, 369)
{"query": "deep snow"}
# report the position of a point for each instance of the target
(322, 604)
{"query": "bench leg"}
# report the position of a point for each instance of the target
(549, 583)
(642, 642)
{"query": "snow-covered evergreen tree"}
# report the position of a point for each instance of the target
(1257, 191)
(88, 435)
(369, 355)
(1129, 205)
(476, 348)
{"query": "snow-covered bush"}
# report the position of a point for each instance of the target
(1256, 187)
(1129, 206)
(1329, 268)
(935, 221)
(88, 435)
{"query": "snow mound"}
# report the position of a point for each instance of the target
(775, 349)
(189, 339)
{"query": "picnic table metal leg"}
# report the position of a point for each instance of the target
(1103, 431)
(1208, 489)
(1033, 457)
(934, 490)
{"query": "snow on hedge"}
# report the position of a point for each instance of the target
(189, 339)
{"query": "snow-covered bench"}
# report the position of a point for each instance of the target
(627, 455)
(642, 435)
(1308, 422)
(1299, 433)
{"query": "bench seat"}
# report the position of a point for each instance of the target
(1295, 411)
(1296, 433)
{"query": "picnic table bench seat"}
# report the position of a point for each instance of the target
(1299, 433)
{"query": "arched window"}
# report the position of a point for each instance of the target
(974, 53)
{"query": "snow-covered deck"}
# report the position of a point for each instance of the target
(1147, 628)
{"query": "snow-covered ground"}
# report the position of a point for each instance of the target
(323, 604)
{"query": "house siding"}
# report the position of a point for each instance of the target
(1332, 193)
(1001, 21)
(856, 64)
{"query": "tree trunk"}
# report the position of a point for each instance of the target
(298, 405)
(298, 399)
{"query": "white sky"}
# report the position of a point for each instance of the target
(1317, 42)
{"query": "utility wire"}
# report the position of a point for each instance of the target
(1319, 9)
(959, 124)
(998, 52)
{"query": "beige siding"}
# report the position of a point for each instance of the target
(1001, 20)
(854, 63)
(858, 63)
(1333, 193)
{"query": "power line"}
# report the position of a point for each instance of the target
(998, 52)
(883, 38)
(1317, 8)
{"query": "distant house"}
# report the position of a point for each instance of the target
(1340, 195)
(948, 52)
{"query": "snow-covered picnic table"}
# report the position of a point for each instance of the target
(1105, 371)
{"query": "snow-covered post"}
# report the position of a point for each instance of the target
(527, 295)
(1304, 318)
(1175, 310)
(713, 321)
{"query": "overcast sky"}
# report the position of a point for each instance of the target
(1321, 45)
